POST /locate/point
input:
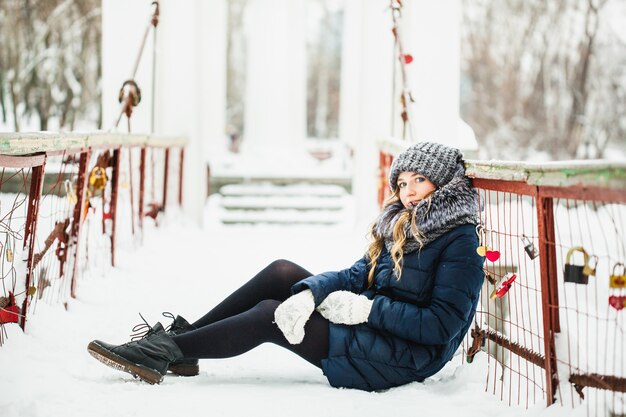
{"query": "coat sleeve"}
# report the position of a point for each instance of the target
(457, 286)
(352, 279)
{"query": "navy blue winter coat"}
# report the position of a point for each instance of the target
(416, 323)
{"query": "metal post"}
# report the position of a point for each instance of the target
(79, 212)
(132, 197)
(180, 177)
(549, 296)
(165, 175)
(142, 185)
(34, 198)
(113, 206)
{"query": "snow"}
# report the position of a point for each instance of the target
(292, 203)
(266, 188)
(47, 371)
(177, 267)
(287, 202)
(280, 163)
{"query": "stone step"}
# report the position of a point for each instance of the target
(269, 189)
(280, 202)
(282, 217)
(292, 204)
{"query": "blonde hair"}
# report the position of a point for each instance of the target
(399, 239)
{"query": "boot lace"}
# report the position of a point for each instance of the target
(169, 315)
(140, 330)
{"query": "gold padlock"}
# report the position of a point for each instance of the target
(618, 280)
(9, 255)
(98, 178)
(588, 269)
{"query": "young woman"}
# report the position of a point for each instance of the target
(396, 316)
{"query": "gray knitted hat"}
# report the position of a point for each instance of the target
(435, 161)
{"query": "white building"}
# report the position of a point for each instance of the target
(191, 85)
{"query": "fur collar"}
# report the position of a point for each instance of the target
(452, 205)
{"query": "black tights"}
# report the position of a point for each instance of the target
(245, 319)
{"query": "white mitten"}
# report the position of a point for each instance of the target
(293, 313)
(345, 307)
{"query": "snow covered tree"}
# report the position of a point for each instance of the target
(50, 62)
(324, 69)
(544, 76)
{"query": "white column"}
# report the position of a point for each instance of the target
(275, 92)
(351, 55)
(123, 27)
(431, 34)
(213, 62)
(188, 97)
(368, 45)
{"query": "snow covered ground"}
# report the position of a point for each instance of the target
(179, 268)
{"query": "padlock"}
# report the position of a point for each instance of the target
(98, 178)
(575, 273)
(618, 302)
(489, 278)
(492, 255)
(8, 255)
(618, 280)
(482, 248)
(9, 313)
(501, 290)
(591, 270)
(529, 247)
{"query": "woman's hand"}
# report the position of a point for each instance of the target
(345, 307)
(292, 315)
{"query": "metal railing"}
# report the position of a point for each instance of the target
(72, 192)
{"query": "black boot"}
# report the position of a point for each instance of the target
(147, 358)
(186, 366)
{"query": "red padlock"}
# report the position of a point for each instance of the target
(9, 314)
(504, 287)
(617, 301)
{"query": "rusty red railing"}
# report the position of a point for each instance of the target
(70, 193)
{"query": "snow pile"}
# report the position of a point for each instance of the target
(48, 372)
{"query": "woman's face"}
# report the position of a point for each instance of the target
(413, 188)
